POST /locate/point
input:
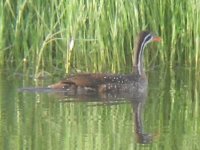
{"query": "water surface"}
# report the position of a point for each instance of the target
(169, 118)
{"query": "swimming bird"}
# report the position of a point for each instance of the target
(101, 83)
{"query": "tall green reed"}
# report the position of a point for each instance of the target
(103, 32)
(1, 32)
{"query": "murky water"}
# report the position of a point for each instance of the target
(168, 119)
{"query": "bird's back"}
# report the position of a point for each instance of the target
(101, 83)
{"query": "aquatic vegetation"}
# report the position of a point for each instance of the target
(40, 33)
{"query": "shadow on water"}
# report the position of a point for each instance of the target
(137, 100)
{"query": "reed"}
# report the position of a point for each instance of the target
(39, 32)
(1, 32)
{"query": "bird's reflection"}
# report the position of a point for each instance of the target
(137, 102)
(137, 99)
(141, 136)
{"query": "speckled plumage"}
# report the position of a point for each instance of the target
(101, 83)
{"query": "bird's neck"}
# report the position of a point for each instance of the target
(138, 58)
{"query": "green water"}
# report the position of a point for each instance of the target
(170, 116)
